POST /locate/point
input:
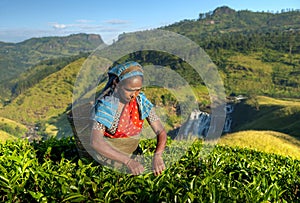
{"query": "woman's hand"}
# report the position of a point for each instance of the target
(158, 164)
(135, 167)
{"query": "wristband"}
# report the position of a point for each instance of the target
(128, 162)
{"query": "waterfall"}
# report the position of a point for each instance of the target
(228, 121)
(199, 122)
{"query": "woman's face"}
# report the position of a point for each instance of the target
(129, 88)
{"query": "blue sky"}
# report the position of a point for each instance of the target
(23, 19)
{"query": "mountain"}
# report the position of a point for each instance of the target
(260, 66)
(46, 100)
(13, 87)
(243, 31)
(18, 57)
(42, 107)
(224, 20)
(10, 129)
(256, 52)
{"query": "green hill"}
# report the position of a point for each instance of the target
(4, 136)
(18, 57)
(255, 51)
(47, 100)
(10, 129)
(264, 141)
(265, 113)
(12, 88)
(224, 20)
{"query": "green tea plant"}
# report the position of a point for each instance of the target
(51, 171)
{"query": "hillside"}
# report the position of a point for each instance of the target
(262, 61)
(255, 51)
(264, 141)
(265, 113)
(46, 100)
(12, 127)
(226, 20)
(4, 136)
(18, 57)
(252, 74)
(13, 87)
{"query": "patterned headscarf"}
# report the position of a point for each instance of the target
(126, 70)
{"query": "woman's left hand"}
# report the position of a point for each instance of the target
(158, 164)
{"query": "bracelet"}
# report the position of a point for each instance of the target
(128, 162)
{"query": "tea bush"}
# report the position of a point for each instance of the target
(51, 171)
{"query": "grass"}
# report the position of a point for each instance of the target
(265, 113)
(251, 61)
(11, 129)
(48, 98)
(265, 141)
(263, 100)
(6, 136)
(250, 74)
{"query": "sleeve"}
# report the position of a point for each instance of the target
(152, 117)
(98, 126)
(105, 111)
(145, 105)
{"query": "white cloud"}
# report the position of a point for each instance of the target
(117, 21)
(59, 26)
(109, 30)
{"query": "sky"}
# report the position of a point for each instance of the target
(24, 19)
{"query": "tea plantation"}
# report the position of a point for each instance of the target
(51, 171)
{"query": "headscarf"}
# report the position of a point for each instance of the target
(106, 105)
(126, 70)
(120, 72)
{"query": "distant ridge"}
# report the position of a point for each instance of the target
(223, 10)
(226, 19)
(17, 57)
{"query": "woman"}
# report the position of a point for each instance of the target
(119, 115)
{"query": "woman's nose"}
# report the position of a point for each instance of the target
(134, 94)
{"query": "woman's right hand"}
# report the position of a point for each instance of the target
(135, 167)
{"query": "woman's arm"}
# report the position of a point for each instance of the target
(161, 136)
(102, 147)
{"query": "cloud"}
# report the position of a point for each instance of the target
(59, 26)
(109, 30)
(117, 21)
(83, 25)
